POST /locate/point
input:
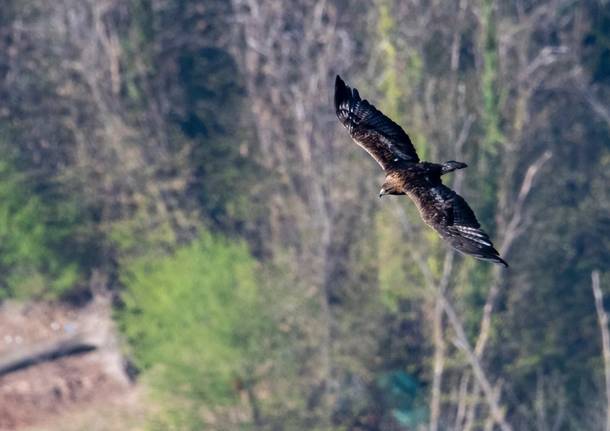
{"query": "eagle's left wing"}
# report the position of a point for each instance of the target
(449, 214)
(382, 138)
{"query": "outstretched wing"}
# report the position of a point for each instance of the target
(377, 134)
(449, 214)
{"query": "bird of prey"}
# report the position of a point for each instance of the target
(440, 207)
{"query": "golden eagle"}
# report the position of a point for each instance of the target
(439, 206)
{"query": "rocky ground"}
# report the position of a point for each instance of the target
(83, 390)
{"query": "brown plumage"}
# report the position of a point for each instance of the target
(440, 207)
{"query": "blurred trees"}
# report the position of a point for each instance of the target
(44, 251)
(511, 69)
(194, 323)
(132, 127)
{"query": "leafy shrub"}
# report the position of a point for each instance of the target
(191, 319)
(40, 253)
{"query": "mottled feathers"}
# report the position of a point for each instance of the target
(449, 214)
(440, 207)
(381, 137)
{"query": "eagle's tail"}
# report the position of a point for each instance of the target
(451, 166)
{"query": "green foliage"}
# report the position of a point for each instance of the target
(492, 137)
(135, 236)
(205, 103)
(399, 77)
(491, 115)
(399, 279)
(389, 85)
(40, 253)
(168, 150)
(192, 320)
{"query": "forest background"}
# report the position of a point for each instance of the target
(183, 157)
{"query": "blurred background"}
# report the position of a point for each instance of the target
(189, 239)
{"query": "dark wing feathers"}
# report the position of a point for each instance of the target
(382, 138)
(440, 207)
(449, 214)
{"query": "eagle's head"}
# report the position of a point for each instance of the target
(391, 186)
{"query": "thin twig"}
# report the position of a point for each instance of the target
(463, 344)
(439, 344)
(602, 317)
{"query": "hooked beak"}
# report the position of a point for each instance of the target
(381, 193)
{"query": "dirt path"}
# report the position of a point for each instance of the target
(46, 393)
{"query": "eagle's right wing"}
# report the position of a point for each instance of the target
(377, 134)
(449, 214)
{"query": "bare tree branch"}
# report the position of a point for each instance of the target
(439, 344)
(513, 231)
(518, 214)
(461, 339)
(602, 317)
(511, 234)
(45, 351)
(462, 343)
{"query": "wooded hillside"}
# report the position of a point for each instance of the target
(184, 157)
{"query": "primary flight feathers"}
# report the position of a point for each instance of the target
(440, 207)
(381, 137)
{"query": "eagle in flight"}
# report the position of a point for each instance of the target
(439, 206)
